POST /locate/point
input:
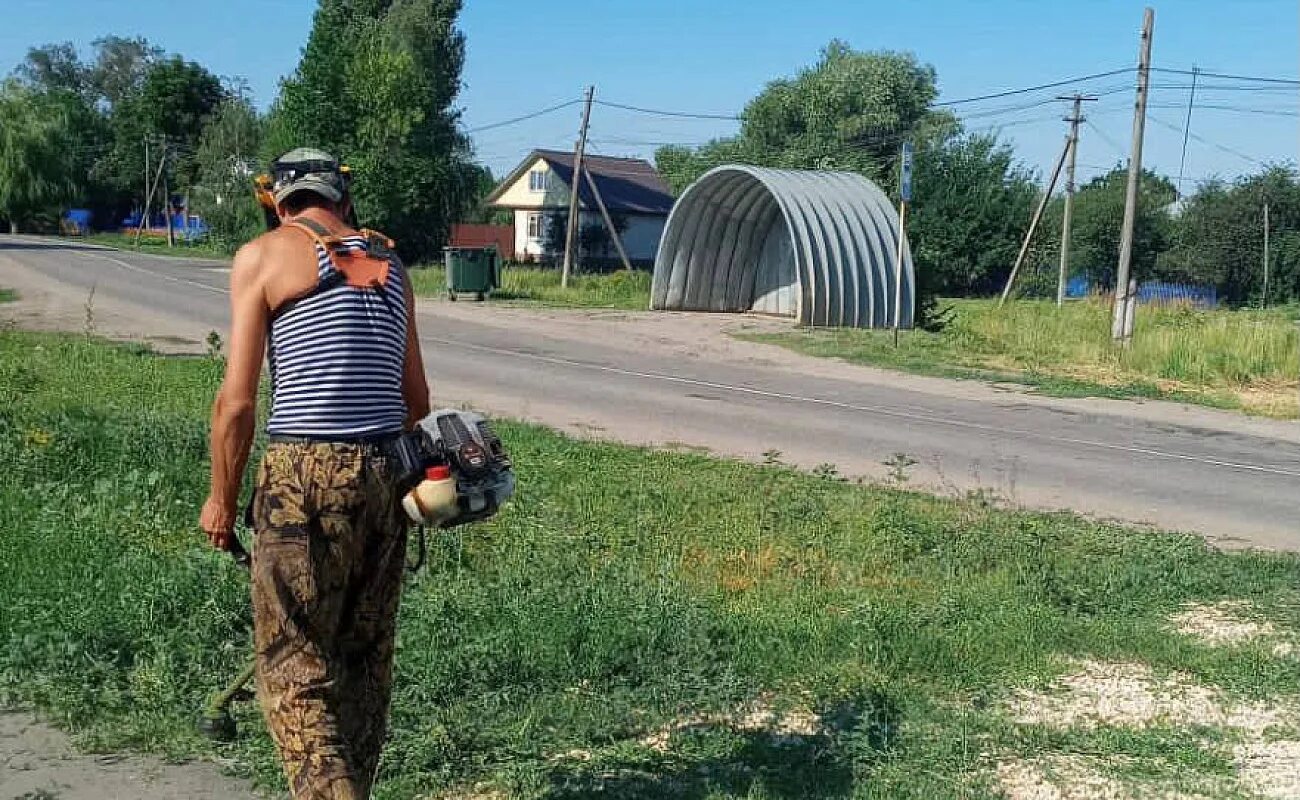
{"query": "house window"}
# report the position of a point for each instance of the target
(538, 180)
(536, 225)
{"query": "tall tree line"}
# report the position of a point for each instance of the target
(376, 86)
(852, 110)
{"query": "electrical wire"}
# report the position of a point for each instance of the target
(663, 113)
(1203, 140)
(1039, 87)
(1105, 138)
(523, 118)
(1222, 76)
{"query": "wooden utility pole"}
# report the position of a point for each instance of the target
(145, 211)
(571, 234)
(1265, 254)
(167, 200)
(609, 222)
(148, 201)
(1074, 119)
(1121, 326)
(1033, 223)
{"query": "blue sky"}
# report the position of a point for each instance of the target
(711, 56)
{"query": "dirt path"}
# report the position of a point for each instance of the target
(38, 762)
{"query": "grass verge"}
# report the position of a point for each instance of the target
(157, 246)
(1248, 360)
(620, 290)
(7, 295)
(606, 632)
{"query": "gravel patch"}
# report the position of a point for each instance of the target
(1130, 695)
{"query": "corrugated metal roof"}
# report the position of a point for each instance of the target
(627, 185)
(829, 239)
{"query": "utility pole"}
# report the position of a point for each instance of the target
(148, 201)
(1265, 254)
(167, 199)
(571, 235)
(145, 199)
(1074, 119)
(1033, 224)
(1121, 326)
(904, 197)
(1187, 131)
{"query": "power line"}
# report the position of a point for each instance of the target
(1203, 140)
(1236, 109)
(523, 118)
(1040, 87)
(662, 113)
(1102, 135)
(1222, 76)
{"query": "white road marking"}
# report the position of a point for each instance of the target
(912, 416)
(152, 274)
(793, 398)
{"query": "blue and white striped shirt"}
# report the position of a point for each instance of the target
(336, 358)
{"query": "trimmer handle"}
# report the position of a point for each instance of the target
(237, 551)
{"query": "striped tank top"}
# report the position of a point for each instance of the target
(336, 358)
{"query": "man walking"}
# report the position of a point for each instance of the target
(333, 312)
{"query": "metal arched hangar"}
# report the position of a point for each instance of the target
(817, 246)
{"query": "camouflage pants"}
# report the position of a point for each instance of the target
(327, 575)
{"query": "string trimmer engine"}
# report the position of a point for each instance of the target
(456, 467)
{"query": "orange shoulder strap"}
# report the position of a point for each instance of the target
(362, 270)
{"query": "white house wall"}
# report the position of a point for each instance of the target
(642, 235)
(518, 195)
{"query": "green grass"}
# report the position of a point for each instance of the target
(621, 290)
(1245, 359)
(622, 589)
(158, 246)
(7, 295)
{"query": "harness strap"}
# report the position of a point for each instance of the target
(368, 270)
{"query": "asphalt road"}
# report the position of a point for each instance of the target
(1230, 478)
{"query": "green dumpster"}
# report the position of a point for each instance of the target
(471, 270)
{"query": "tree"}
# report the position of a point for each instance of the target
(972, 203)
(120, 67)
(375, 87)
(225, 164)
(54, 67)
(849, 111)
(1217, 237)
(38, 165)
(1098, 221)
(174, 99)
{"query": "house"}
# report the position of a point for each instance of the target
(538, 191)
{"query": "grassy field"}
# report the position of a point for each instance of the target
(7, 295)
(622, 290)
(636, 624)
(1232, 359)
(158, 246)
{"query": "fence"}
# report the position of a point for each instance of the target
(1161, 292)
(502, 236)
(1154, 292)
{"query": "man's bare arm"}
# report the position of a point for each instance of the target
(415, 388)
(234, 413)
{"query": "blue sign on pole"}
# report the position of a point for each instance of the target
(905, 181)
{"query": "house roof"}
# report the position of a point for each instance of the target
(629, 185)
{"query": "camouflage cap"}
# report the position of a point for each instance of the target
(307, 169)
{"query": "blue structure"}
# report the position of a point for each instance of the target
(1161, 292)
(1078, 287)
(188, 229)
(76, 221)
(1153, 292)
